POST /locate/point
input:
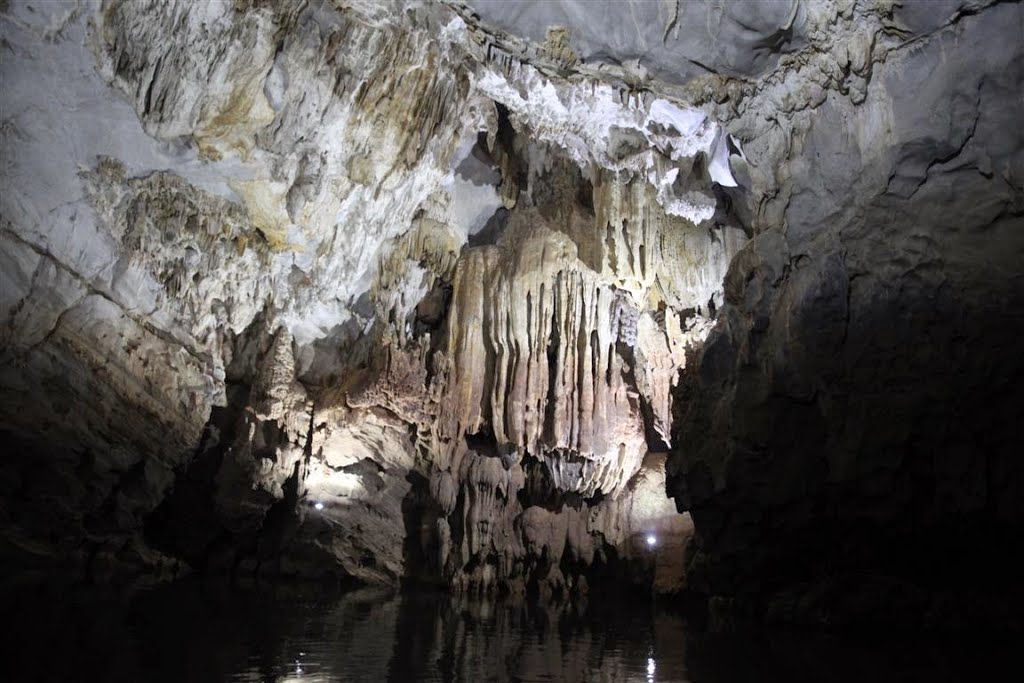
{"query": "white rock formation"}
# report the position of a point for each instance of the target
(324, 288)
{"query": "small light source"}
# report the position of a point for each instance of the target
(652, 540)
(318, 505)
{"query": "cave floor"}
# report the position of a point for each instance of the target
(201, 631)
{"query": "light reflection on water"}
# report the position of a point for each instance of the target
(370, 636)
(198, 632)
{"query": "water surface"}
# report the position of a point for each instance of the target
(195, 632)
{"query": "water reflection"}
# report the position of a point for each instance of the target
(198, 632)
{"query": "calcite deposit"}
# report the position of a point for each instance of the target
(495, 295)
(363, 290)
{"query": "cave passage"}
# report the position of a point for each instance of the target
(479, 340)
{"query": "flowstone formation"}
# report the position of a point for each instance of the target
(350, 289)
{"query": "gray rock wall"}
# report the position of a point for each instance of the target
(846, 439)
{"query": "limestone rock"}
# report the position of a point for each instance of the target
(324, 289)
(403, 291)
(847, 422)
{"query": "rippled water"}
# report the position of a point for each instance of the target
(192, 631)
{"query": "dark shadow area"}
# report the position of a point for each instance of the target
(421, 549)
(186, 523)
(854, 461)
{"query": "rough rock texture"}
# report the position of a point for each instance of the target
(403, 290)
(846, 438)
(345, 288)
(670, 41)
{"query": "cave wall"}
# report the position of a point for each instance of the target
(368, 290)
(393, 291)
(845, 439)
